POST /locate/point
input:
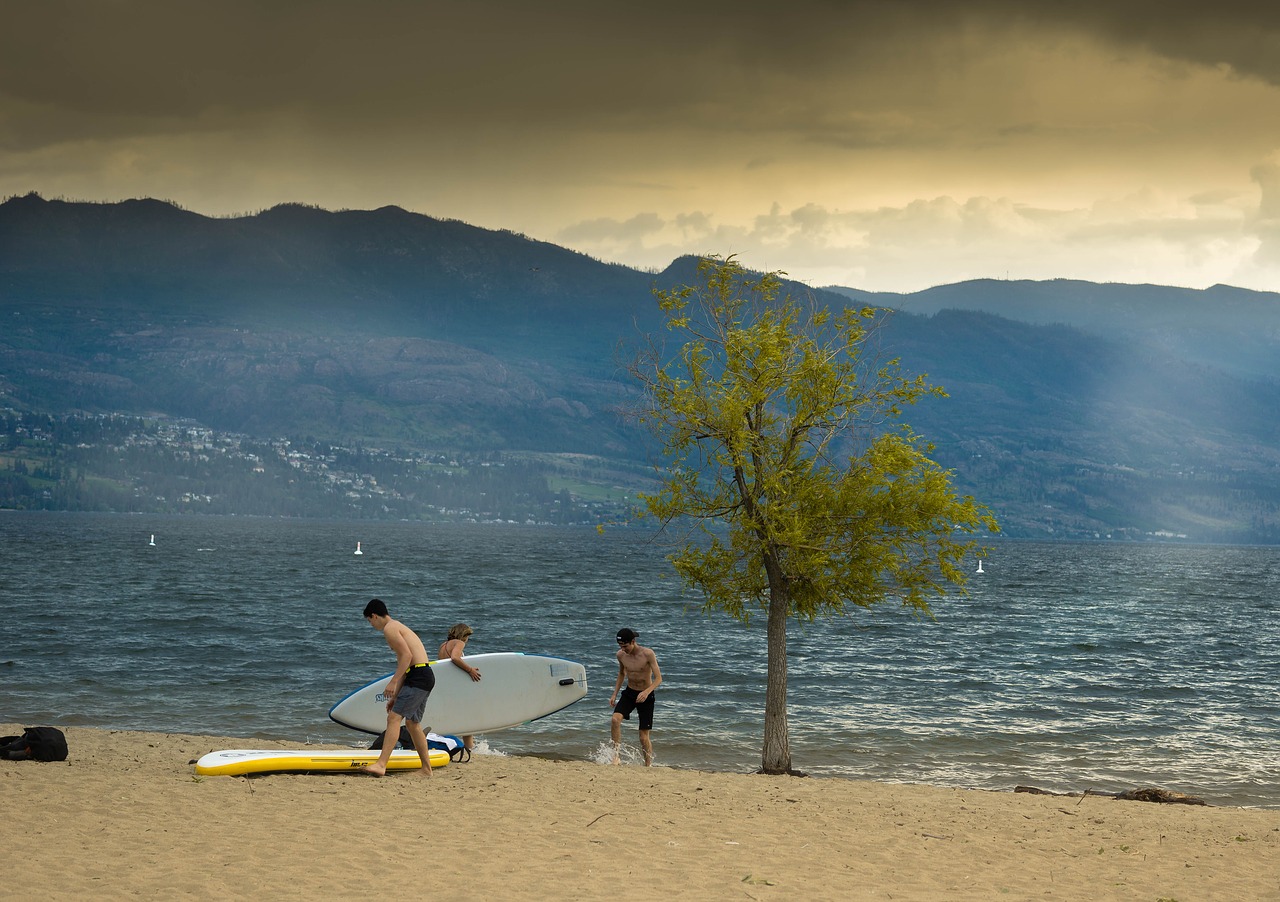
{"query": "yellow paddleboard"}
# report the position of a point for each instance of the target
(236, 762)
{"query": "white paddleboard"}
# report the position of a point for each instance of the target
(514, 688)
(235, 762)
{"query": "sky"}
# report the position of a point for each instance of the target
(888, 145)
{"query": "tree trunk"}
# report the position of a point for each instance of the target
(776, 757)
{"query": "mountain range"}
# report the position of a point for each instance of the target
(1076, 410)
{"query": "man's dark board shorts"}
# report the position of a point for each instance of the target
(411, 700)
(627, 704)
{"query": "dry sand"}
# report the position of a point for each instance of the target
(126, 816)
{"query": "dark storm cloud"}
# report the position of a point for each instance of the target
(95, 66)
(892, 142)
(1242, 35)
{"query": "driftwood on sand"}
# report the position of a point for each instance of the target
(1143, 794)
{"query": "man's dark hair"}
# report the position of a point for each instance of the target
(375, 606)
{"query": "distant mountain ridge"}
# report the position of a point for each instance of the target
(1068, 415)
(1234, 329)
(385, 269)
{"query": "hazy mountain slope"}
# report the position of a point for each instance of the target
(384, 271)
(1082, 435)
(391, 327)
(1233, 329)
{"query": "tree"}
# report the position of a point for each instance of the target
(804, 493)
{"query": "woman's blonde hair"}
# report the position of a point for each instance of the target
(460, 631)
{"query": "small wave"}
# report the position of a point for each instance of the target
(625, 754)
(483, 747)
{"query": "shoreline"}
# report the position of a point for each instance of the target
(631, 755)
(126, 814)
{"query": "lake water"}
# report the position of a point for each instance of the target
(1068, 667)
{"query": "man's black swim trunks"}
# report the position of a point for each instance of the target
(627, 703)
(420, 676)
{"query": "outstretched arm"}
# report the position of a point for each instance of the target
(617, 684)
(455, 655)
(656, 676)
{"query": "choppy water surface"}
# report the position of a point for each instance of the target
(1069, 666)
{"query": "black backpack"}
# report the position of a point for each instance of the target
(35, 744)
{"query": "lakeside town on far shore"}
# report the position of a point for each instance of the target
(131, 464)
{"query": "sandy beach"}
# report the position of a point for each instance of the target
(127, 816)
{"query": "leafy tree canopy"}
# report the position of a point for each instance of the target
(785, 449)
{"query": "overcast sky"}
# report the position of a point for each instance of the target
(885, 145)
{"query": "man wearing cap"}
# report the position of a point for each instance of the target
(638, 666)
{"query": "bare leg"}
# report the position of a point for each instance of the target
(615, 732)
(648, 748)
(420, 745)
(389, 740)
(468, 742)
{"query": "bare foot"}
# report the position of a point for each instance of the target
(424, 772)
(374, 769)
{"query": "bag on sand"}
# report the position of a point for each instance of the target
(35, 744)
(451, 744)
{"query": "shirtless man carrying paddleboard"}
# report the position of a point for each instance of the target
(639, 667)
(408, 690)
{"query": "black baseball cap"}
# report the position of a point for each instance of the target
(627, 634)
